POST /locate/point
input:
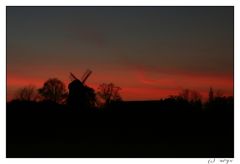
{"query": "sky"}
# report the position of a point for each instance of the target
(150, 52)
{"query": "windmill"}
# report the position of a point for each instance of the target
(83, 78)
(80, 95)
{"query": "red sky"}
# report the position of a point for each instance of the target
(138, 84)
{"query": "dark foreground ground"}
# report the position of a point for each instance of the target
(130, 129)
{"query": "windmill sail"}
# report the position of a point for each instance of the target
(73, 77)
(86, 75)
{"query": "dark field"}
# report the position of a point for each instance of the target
(125, 129)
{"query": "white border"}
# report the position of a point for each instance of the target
(236, 81)
(3, 79)
(121, 3)
(4, 3)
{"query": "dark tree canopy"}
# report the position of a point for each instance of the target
(53, 90)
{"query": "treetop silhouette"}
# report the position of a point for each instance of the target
(27, 93)
(53, 90)
(109, 92)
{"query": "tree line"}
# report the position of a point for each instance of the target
(54, 90)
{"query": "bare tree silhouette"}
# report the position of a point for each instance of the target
(109, 92)
(210, 95)
(53, 90)
(195, 96)
(185, 94)
(27, 93)
(219, 93)
(190, 95)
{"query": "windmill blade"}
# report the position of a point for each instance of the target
(86, 75)
(73, 77)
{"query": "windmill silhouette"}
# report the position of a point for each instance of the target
(80, 95)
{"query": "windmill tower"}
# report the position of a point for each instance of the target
(80, 95)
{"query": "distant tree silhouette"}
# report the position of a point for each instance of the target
(190, 95)
(27, 93)
(213, 94)
(222, 103)
(210, 95)
(195, 96)
(53, 90)
(219, 93)
(109, 92)
(217, 100)
(184, 94)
